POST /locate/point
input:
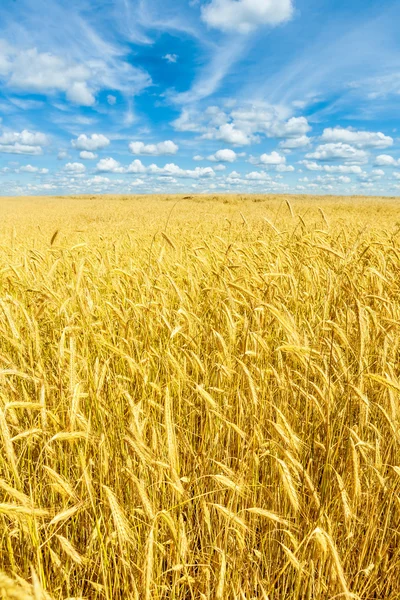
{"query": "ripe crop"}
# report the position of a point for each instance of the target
(199, 398)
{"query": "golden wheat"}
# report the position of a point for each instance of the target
(199, 403)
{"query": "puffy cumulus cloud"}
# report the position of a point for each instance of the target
(272, 159)
(233, 176)
(30, 138)
(245, 15)
(385, 160)
(98, 179)
(136, 166)
(20, 149)
(220, 167)
(24, 142)
(230, 134)
(244, 124)
(31, 169)
(294, 143)
(111, 100)
(359, 139)
(372, 176)
(174, 170)
(396, 175)
(109, 165)
(79, 93)
(47, 73)
(167, 147)
(198, 157)
(285, 168)
(259, 116)
(340, 150)
(313, 166)
(62, 155)
(225, 155)
(44, 72)
(295, 127)
(137, 182)
(333, 179)
(258, 176)
(96, 141)
(87, 155)
(75, 167)
(171, 58)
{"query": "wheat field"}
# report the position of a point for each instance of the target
(199, 398)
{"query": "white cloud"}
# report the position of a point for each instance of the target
(359, 139)
(98, 179)
(313, 166)
(31, 169)
(62, 155)
(75, 167)
(333, 178)
(25, 137)
(171, 58)
(136, 182)
(272, 159)
(111, 99)
(79, 80)
(220, 167)
(258, 176)
(245, 15)
(25, 104)
(198, 157)
(45, 72)
(136, 166)
(87, 155)
(174, 170)
(167, 147)
(109, 165)
(230, 134)
(384, 160)
(396, 175)
(96, 141)
(293, 143)
(24, 142)
(225, 155)
(20, 149)
(80, 94)
(340, 150)
(243, 125)
(285, 168)
(188, 121)
(293, 128)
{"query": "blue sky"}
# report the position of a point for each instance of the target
(142, 96)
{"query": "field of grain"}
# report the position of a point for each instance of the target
(199, 398)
